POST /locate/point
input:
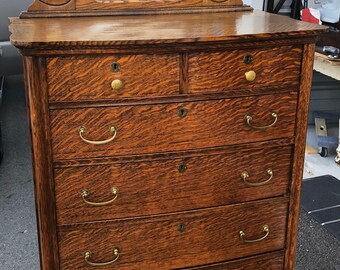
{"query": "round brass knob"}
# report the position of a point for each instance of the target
(117, 85)
(250, 75)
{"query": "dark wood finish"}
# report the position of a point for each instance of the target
(209, 235)
(223, 71)
(38, 119)
(271, 261)
(89, 77)
(157, 186)
(158, 128)
(128, 31)
(300, 144)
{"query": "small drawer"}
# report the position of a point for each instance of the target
(244, 69)
(122, 130)
(179, 240)
(136, 188)
(73, 78)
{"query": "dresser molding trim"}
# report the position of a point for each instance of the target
(102, 48)
(300, 143)
(170, 155)
(122, 12)
(38, 119)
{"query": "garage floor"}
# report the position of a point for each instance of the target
(317, 249)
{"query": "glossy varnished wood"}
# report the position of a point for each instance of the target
(38, 119)
(89, 77)
(142, 30)
(194, 61)
(158, 128)
(298, 163)
(208, 236)
(271, 261)
(154, 187)
(223, 71)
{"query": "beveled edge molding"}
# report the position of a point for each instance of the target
(41, 10)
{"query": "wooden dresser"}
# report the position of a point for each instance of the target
(166, 141)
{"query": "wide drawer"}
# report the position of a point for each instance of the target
(73, 78)
(271, 261)
(169, 185)
(170, 127)
(223, 71)
(177, 240)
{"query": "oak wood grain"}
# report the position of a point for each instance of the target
(156, 187)
(223, 71)
(270, 261)
(208, 236)
(127, 31)
(133, 4)
(77, 78)
(298, 163)
(38, 120)
(158, 128)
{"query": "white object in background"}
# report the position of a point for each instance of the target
(330, 11)
(256, 4)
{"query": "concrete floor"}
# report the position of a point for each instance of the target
(316, 250)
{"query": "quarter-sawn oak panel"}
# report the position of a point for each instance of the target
(89, 77)
(158, 128)
(154, 187)
(223, 71)
(206, 236)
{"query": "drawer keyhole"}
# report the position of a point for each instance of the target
(182, 112)
(115, 67)
(182, 168)
(181, 227)
(248, 59)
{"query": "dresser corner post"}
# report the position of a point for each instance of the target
(300, 143)
(38, 121)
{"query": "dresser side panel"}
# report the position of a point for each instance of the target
(38, 116)
(298, 162)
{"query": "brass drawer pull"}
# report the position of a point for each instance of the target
(88, 255)
(117, 85)
(245, 175)
(250, 75)
(85, 193)
(113, 130)
(265, 230)
(249, 118)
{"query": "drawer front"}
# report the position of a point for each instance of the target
(223, 71)
(170, 127)
(75, 78)
(271, 261)
(178, 240)
(163, 186)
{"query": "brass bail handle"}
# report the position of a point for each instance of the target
(245, 176)
(249, 118)
(265, 229)
(88, 256)
(112, 129)
(85, 193)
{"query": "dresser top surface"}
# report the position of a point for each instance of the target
(155, 29)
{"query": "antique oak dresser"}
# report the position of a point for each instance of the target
(166, 134)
